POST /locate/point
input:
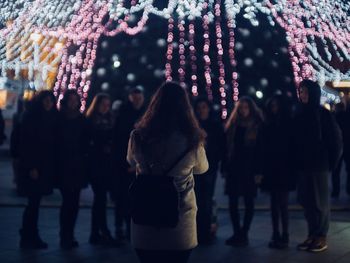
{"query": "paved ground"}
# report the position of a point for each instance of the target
(11, 208)
(257, 252)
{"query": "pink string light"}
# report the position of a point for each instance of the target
(220, 53)
(170, 48)
(206, 56)
(193, 58)
(182, 50)
(233, 62)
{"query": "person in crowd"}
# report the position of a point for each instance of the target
(317, 148)
(126, 117)
(100, 166)
(167, 131)
(71, 175)
(37, 163)
(345, 127)
(22, 107)
(242, 129)
(205, 184)
(274, 147)
(2, 129)
(341, 118)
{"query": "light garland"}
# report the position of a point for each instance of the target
(220, 53)
(37, 37)
(170, 48)
(206, 56)
(182, 50)
(193, 58)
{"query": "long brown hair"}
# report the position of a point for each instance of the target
(92, 110)
(255, 113)
(170, 110)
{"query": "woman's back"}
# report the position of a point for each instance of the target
(160, 156)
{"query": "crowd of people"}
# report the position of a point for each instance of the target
(275, 149)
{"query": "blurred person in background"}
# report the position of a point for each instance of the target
(100, 166)
(275, 167)
(215, 148)
(126, 117)
(242, 130)
(71, 177)
(317, 147)
(37, 155)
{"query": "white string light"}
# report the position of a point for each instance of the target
(36, 34)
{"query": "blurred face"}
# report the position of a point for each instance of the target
(243, 109)
(137, 99)
(275, 107)
(203, 111)
(304, 95)
(73, 103)
(48, 103)
(104, 107)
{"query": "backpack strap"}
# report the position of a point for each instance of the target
(179, 159)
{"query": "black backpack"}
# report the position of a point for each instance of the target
(154, 199)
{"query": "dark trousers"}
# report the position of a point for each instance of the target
(313, 195)
(204, 189)
(336, 182)
(31, 216)
(69, 212)
(99, 210)
(347, 167)
(279, 211)
(235, 215)
(121, 200)
(336, 179)
(162, 256)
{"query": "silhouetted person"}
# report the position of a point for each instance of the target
(22, 107)
(2, 129)
(205, 184)
(275, 166)
(37, 163)
(242, 129)
(72, 146)
(100, 165)
(168, 135)
(127, 115)
(318, 146)
(343, 121)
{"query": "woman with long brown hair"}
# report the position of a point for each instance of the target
(242, 130)
(168, 142)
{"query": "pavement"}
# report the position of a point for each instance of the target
(11, 209)
(256, 252)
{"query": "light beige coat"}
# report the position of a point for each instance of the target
(184, 236)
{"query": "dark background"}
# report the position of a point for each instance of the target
(140, 55)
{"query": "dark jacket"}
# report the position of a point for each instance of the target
(72, 146)
(2, 129)
(317, 139)
(37, 151)
(241, 159)
(343, 120)
(100, 155)
(215, 147)
(125, 121)
(274, 154)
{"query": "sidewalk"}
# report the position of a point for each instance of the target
(257, 252)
